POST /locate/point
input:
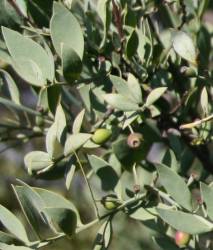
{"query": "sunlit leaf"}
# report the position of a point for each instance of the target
(184, 47)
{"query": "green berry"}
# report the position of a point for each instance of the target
(181, 238)
(134, 140)
(101, 135)
(188, 72)
(110, 202)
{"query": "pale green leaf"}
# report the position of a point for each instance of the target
(60, 121)
(154, 95)
(185, 222)
(207, 196)
(104, 12)
(144, 214)
(25, 50)
(69, 34)
(11, 85)
(75, 141)
(134, 88)
(12, 224)
(53, 146)
(175, 186)
(120, 102)
(184, 47)
(204, 101)
(36, 161)
(76, 127)
(69, 175)
(32, 205)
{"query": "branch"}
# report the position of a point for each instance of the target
(196, 123)
(39, 244)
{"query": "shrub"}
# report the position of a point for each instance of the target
(122, 95)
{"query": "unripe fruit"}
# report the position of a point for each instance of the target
(134, 140)
(110, 202)
(101, 135)
(188, 72)
(181, 238)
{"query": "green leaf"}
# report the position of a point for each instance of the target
(184, 47)
(134, 88)
(69, 175)
(105, 172)
(144, 48)
(144, 214)
(207, 196)
(12, 224)
(204, 101)
(22, 5)
(185, 222)
(60, 121)
(32, 205)
(43, 100)
(52, 199)
(8, 15)
(71, 63)
(12, 247)
(75, 141)
(91, 144)
(130, 89)
(132, 44)
(121, 86)
(29, 71)
(10, 239)
(76, 127)
(11, 85)
(30, 60)
(120, 102)
(64, 218)
(58, 8)
(154, 95)
(104, 12)
(36, 161)
(175, 186)
(70, 34)
(54, 147)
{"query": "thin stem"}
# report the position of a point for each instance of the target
(131, 129)
(196, 123)
(88, 184)
(135, 174)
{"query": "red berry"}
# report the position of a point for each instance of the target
(181, 238)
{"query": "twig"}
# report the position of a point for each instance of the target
(196, 123)
(39, 244)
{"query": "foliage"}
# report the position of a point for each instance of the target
(123, 93)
